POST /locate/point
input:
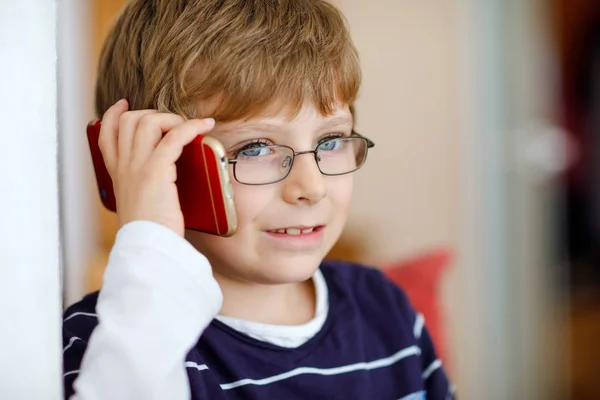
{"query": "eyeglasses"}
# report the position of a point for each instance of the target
(263, 165)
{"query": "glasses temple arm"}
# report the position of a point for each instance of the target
(370, 143)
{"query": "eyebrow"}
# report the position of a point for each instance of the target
(337, 121)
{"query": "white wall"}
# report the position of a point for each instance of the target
(446, 86)
(406, 196)
(30, 295)
(78, 194)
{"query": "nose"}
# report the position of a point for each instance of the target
(305, 183)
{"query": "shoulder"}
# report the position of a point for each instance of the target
(79, 321)
(354, 277)
(381, 305)
(80, 318)
(365, 298)
(368, 288)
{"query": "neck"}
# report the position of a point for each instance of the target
(284, 304)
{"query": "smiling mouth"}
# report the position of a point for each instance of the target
(297, 231)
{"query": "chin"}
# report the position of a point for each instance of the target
(283, 271)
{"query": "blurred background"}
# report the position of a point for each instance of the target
(481, 198)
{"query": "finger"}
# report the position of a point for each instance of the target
(109, 128)
(128, 123)
(171, 146)
(150, 130)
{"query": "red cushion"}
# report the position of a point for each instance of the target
(420, 278)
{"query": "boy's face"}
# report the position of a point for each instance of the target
(304, 199)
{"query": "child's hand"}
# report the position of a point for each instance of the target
(141, 162)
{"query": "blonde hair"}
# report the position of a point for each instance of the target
(250, 55)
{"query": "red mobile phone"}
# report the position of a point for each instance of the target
(203, 184)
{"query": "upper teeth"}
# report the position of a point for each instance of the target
(294, 231)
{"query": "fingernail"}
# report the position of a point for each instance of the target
(120, 102)
(209, 121)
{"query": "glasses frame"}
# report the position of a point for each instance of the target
(354, 134)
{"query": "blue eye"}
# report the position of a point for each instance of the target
(330, 145)
(254, 152)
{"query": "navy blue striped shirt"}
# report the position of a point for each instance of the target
(373, 345)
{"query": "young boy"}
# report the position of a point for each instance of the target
(259, 315)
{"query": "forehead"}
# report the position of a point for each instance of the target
(308, 118)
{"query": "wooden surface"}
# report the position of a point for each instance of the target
(584, 333)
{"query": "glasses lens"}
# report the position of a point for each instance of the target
(261, 165)
(341, 155)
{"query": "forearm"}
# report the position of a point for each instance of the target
(158, 296)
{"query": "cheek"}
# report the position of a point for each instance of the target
(251, 201)
(340, 192)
